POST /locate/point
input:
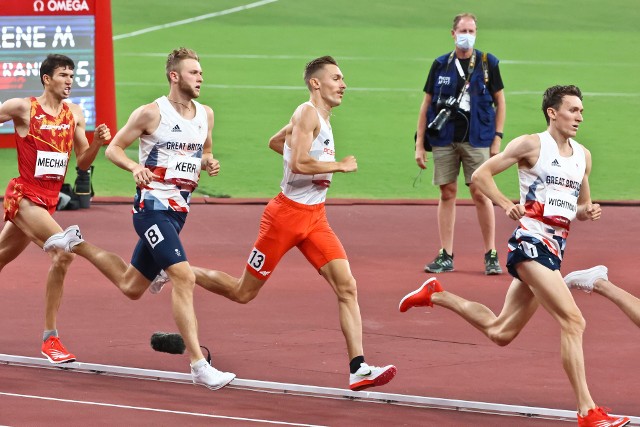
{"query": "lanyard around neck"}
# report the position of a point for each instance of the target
(472, 65)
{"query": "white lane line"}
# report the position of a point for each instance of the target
(308, 390)
(370, 89)
(166, 411)
(376, 58)
(194, 19)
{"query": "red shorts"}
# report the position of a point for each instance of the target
(16, 191)
(286, 224)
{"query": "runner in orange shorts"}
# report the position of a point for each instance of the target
(296, 217)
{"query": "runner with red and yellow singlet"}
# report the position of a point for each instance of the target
(46, 129)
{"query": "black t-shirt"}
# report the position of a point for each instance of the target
(461, 119)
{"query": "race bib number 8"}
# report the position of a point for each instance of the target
(51, 165)
(153, 235)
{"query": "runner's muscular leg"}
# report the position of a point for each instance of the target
(629, 304)
(60, 262)
(555, 297)
(34, 223)
(125, 276)
(240, 290)
(184, 314)
(13, 242)
(338, 273)
(519, 305)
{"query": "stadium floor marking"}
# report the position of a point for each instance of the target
(365, 89)
(194, 19)
(375, 59)
(166, 411)
(308, 390)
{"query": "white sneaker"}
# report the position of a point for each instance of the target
(210, 377)
(65, 240)
(158, 283)
(584, 279)
(371, 376)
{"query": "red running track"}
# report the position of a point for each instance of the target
(290, 333)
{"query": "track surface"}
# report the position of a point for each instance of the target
(290, 333)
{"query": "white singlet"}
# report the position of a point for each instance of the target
(174, 152)
(549, 192)
(310, 189)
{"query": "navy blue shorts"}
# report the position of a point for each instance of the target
(159, 246)
(528, 248)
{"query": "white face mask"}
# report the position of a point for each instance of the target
(465, 41)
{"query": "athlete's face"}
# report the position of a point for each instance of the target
(60, 83)
(332, 85)
(190, 78)
(568, 117)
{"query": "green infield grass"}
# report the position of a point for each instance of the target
(253, 61)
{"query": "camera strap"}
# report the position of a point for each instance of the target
(472, 66)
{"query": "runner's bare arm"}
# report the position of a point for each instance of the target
(276, 142)
(144, 120)
(16, 109)
(521, 150)
(86, 153)
(305, 127)
(587, 210)
(209, 163)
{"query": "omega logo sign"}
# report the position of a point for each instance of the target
(60, 5)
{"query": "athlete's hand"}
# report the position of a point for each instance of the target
(143, 176)
(348, 164)
(212, 166)
(515, 212)
(102, 134)
(593, 211)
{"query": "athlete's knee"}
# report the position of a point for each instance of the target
(61, 260)
(132, 292)
(244, 297)
(574, 323)
(347, 290)
(502, 337)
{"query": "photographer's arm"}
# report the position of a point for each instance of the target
(501, 114)
(421, 153)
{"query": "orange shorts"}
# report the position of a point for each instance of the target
(286, 224)
(16, 191)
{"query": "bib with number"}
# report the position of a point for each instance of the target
(51, 165)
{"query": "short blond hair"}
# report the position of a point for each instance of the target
(176, 57)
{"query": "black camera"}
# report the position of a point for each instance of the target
(447, 108)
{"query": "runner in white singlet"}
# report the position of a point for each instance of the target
(175, 133)
(296, 218)
(554, 184)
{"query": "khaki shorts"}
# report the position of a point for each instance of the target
(447, 161)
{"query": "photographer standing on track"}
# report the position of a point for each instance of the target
(461, 119)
